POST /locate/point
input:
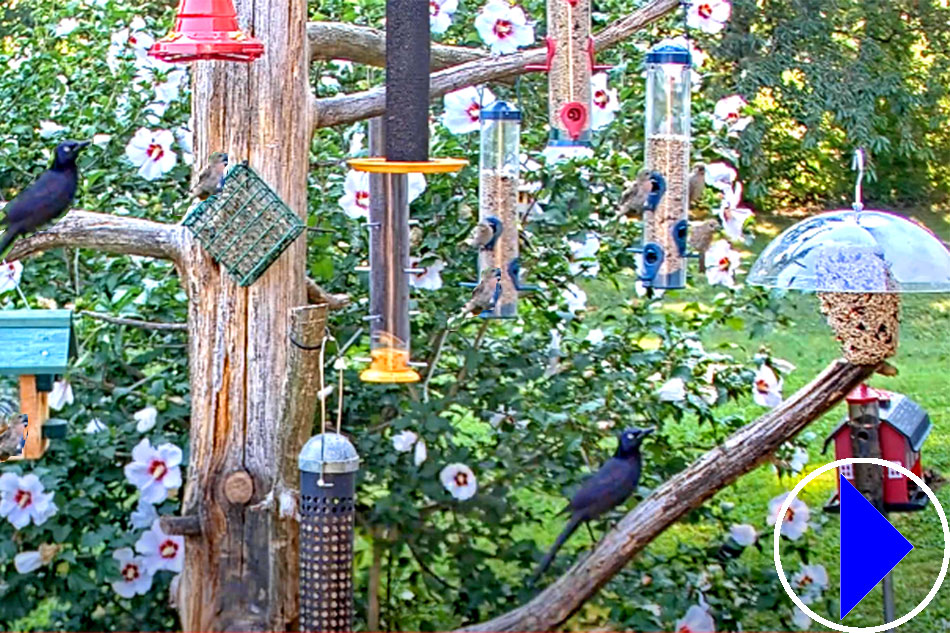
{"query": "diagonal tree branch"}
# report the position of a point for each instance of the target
(345, 109)
(366, 45)
(741, 452)
(110, 233)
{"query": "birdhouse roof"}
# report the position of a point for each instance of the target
(36, 342)
(903, 415)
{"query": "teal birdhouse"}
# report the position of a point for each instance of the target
(36, 346)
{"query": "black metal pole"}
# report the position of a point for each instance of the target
(407, 80)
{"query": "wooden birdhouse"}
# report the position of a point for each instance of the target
(904, 426)
(35, 346)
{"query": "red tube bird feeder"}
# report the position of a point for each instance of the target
(205, 30)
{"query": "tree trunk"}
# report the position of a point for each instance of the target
(239, 339)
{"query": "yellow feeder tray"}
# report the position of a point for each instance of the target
(389, 365)
(379, 165)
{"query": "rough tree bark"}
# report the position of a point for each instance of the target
(741, 452)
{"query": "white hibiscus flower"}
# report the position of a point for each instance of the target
(696, 620)
(733, 217)
(575, 297)
(766, 388)
(463, 109)
(604, 101)
(10, 273)
(728, 114)
(440, 14)
(61, 395)
(709, 16)
(584, 256)
(355, 199)
(144, 515)
(720, 176)
(722, 262)
(145, 419)
(800, 619)
(673, 390)
(28, 562)
(402, 442)
(24, 499)
(159, 550)
(503, 27)
(151, 152)
(65, 27)
(810, 581)
(795, 522)
(595, 336)
(421, 453)
(743, 534)
(459, 480)
(430, 278)
(134, 578)
(154, 471)
(49, 129)
(95, 425)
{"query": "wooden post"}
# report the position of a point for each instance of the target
(239, 338)
(36, 406)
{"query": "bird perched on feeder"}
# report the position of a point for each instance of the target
(485, 234)
(635, 196)
(700, 237)
(11, 436)
(697, 183)
(606, 489)
(47, 198)
(211, 179)
(486, 293)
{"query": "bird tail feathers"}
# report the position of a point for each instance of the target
(565, 534)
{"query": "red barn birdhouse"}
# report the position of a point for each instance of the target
(206, 29)
(904, 426)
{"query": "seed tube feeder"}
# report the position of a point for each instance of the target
(500, 164)
(406, 151)
(328, 466)
(665, 222)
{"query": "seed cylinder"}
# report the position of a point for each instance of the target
(667, 152)
(569, 87)
(498, 201)
(328, 466)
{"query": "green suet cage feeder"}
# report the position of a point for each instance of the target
(246, 227)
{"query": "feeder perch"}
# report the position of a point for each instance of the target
(859, 262)
(36, 346)
(328, 465)
(246, 227)
(206, 30)
(665, 219)
(498, 203)
(903, 425)
(399, 146)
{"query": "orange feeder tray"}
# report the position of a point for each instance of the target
(389, 365)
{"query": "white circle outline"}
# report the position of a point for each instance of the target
(861, 629)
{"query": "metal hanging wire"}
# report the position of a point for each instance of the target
(857, 164)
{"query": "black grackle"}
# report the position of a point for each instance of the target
(606, 489)
(47, 198)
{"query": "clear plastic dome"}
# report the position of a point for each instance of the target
(855, 251)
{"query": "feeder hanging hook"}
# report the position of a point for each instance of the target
(857, 164)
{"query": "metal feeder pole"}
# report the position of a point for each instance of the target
(328, 465)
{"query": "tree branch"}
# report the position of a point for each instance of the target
(104, 232)
(345, 109)
(741, 452)
(147, 325)
(366, 45)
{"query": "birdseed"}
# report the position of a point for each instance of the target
(668, 155)
(498, 193)
(569, 76)
(866, 324)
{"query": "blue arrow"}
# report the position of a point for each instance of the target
(870, 547)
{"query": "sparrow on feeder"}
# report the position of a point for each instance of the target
(635, 196)
(700, 237)
(485, 294)
(211, 180)
(697, 183)
(11, 436)
(485, 234)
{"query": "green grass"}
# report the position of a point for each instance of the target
(924, 365)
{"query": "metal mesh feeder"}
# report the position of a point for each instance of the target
(246, 227)
(328, 465)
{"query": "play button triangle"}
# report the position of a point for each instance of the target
(870, 547)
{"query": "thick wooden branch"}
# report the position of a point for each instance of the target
(741, 452)
(345, 109)
(104, 232)
(366, 45)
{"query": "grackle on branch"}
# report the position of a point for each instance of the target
(47, 198)
(606, 489)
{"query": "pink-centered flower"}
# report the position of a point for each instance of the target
(728, 114)
(709, 16)
(431, 276)
(503, 27)
(159, 550)
(720, 176)
(440, 14)
(766, 388)
(356, 199)
(24, 499)
(795, 521)
(463, 109)
(604, 102)
(459, 480)
(10, 273)
(154, 471)
(722, 262)
(134, 578)
(151, 151)
(696, 620)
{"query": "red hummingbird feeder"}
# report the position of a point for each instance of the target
(206, 30)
